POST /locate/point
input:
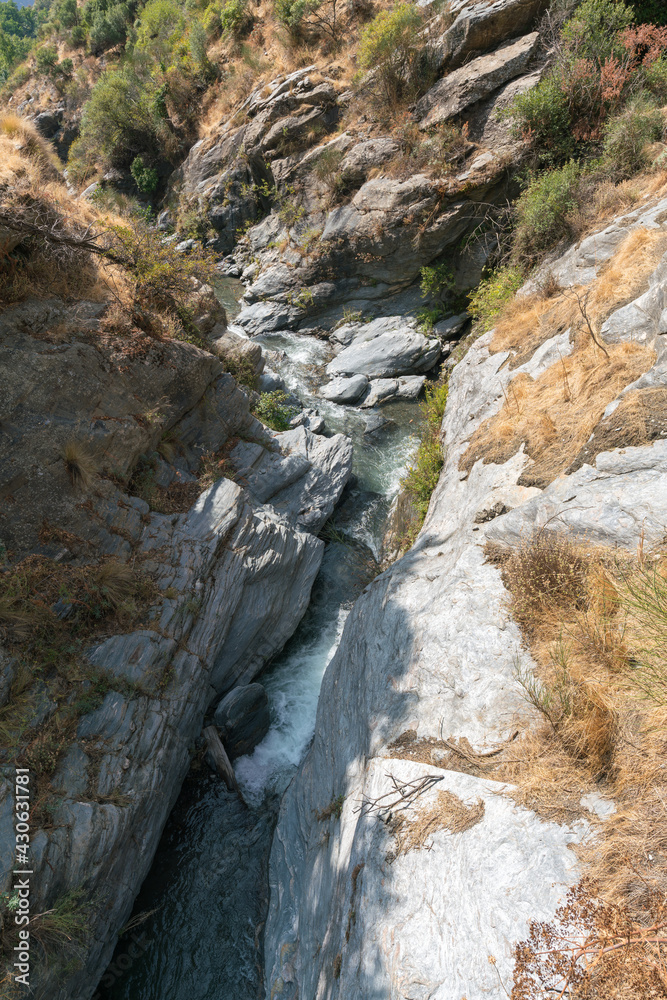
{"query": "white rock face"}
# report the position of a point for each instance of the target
(430, 647)
(387, 354)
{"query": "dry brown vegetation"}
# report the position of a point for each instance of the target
(448, 812)
(554, 415)
(595, 622)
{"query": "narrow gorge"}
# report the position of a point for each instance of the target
(332, 501)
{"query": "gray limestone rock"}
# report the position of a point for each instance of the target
(476, 80)
(387, 390)
(397, 352)
(481, 24)
(242, 719)
(345, 390)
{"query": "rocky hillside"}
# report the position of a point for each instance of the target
(428, 825)
(124, 534)
(465, 201)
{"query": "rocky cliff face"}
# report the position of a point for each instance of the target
(398, 868)
(233, 571)
(348, 220)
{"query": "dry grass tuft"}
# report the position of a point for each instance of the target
(449, 812)
(555, 414)
(116, 581)
(639, 418)
(595, 621)
(27, 140)
(527, 321)
(80, 464)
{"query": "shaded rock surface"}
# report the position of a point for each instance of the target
(234, 574)
(242, 719)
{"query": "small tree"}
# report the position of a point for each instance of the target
(398, 58)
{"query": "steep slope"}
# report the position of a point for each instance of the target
(402, 865)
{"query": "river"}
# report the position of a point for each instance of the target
(197, 924)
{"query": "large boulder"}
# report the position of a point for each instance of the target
(243, 719)
(481, 25)
(476, 80)
(386, 355)
(345, 390)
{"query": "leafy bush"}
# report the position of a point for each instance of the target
(591, 32)
(273, 409)
(161, 23)
(543, 118)
(437, 280)
(493, 293)
(122, 120)
(656, 79)
(542, 213)
(628, 134)
(234, 17)
(107, 30)
(423, 475)
(46, 58)
(401, 62)
(146, 178)
(290, 13)
(603, 61)
(160, 271)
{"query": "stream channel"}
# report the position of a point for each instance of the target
(199, 916)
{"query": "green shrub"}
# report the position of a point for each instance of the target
(437, 280)
(393, 48)
(273, 409)
(492, 294)
(78, 36)
(146, 178)
(234, 17)
(211, 21)
(591, 32)
(46, 58)
(108, 28)
(656, 79)
(422, 477)
(542, 213)
(542, 116)
(160, 24)
(160, 271)
(628, 135)
(291, 13)
(122, 120)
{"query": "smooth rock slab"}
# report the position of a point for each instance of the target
(345, 390)
(476, 80)
(387, 355)
(387, 390)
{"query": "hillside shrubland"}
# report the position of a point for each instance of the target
(144, 82)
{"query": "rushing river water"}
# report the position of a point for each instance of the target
(204, 902)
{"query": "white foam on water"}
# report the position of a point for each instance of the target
(293, 688)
